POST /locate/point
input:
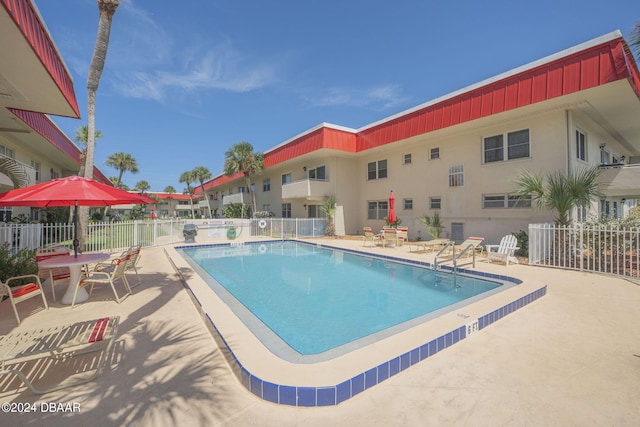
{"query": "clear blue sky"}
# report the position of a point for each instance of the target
(185, 80)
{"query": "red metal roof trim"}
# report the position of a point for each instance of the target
(27, 19)
(41, 124)
(588, 68)
(325, 137)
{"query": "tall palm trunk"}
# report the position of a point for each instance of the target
(247, 178)
(107, 9)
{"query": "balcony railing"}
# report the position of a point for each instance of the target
(307, 189)
(620, 180)
(241, 198)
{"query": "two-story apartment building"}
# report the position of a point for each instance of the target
(459, 155)
(34, 82)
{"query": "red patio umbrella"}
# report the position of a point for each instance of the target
(391, 217)
(71, 191)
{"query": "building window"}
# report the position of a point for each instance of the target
(502, 201)
(493, 149)
(435, 202)
(242, 189)
(8, 152)
(456, 176)
(315, 211)
(377, 209)
(581, 146)
(407, 204)
(266, 185)
(36, 166)
(434, 153)
(517, 146)
(5, 214)
(605, 156)
(406, 159)
(286, 210)
(286, 178)
(377, 170)
(266, 208)
(319, 173)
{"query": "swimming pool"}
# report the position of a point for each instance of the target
(368, 361)
(308, 303)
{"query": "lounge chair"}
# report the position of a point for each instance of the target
(106, 275)
(55, 341)
(473, 243)
(370, 237)
(403, 235)
(21, 293)
(56, 275)
(504, 252)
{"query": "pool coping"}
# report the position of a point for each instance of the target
(331, 382)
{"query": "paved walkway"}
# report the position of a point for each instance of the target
(570, 359)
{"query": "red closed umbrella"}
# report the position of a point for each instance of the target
(391, 217)
(71, 191)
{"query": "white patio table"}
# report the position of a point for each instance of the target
(75, 268)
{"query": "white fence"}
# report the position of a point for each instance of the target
(586, 247)
(117, 236)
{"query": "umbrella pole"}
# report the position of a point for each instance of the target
(76, 242)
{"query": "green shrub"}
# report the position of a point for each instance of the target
(523, 243)
(18, 264)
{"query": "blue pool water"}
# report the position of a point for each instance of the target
(316, 299)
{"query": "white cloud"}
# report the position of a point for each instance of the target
(149, 63)
(377, 98)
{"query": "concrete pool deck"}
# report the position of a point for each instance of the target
(569, 358)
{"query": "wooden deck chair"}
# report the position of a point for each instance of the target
(80, 338)
(106, 276)
(504, 252)
(56, 275)
(21, 293)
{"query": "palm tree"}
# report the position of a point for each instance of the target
(107, 8)
(169, 189)
(241, 159)
(561, 192)
(202, 174)
(82, 138)
(142, 186)
(634, 40)
(123, 162)
(329, 208)
(188, 178)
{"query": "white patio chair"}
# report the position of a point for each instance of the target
(504, 252)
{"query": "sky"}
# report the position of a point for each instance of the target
(186, 80)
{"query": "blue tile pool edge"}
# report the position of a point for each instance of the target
(331, 395)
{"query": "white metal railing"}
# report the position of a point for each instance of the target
(117, 236)
(586, 247)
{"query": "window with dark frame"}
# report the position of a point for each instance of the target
(377, 170)
(581, 146)
(517, 146)
(434, 153)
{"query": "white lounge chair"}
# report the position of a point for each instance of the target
(81, 337)
(474, 242)
(504, 252)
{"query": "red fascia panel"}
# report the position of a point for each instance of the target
(25, 17)
(40, 123)
(595, 66)
(321, 138)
